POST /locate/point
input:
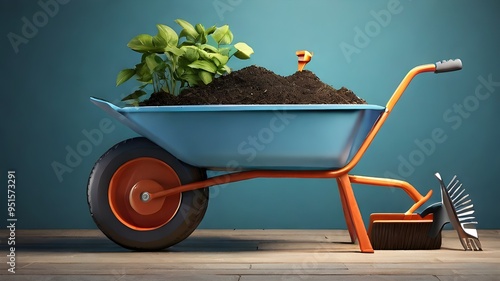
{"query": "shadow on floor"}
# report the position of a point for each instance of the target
(191, 244)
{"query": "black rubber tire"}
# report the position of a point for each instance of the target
(189, 215)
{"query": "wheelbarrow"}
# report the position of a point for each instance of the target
(151, 192)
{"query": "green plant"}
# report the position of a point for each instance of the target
(171, 62)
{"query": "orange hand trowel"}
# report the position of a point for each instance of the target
(304, 58)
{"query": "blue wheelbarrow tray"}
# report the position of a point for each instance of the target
(260, 137)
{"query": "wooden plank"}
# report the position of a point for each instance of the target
(247, 255)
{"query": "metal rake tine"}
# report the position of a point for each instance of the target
(454, 196)
(452, 180)
(460, 204)
(474, 244)
(464, 241)
(470, 244)
(471, 206)
(468, 219)
(460, 197)
(466, 213)
(455, 183)
(452, 185)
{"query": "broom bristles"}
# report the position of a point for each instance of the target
(403, 235)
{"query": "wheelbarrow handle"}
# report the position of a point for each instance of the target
(438, 67)
(448, 65)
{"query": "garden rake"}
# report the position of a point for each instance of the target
(455, 207)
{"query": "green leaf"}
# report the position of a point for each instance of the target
(200, 28)
(204, 65)
(142, 43)
(188, 30)
(224, 70)
(219, 59)
(135, 95)
(189, 39)
(143, 73)
(174, 51)
(206, 77)
(227, 39)
(210, 30)
(159, 44)
(204, 54)
(124, 75)
(187, 43)
(153, 62)
(216, 58)
(209, 48)
(190, 53)
(225, 51)
(132, 102)
(202, 38)
(165, 89)
(182, 64)
(191, 79)
(244, 51)
(168, 34)
(179, 72)
(219, 33)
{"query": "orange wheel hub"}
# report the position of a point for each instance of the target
(129, 191)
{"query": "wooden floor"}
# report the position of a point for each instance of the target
(244, 255)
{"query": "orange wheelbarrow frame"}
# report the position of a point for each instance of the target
(354, 220)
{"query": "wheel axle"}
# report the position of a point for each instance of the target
(145, 196)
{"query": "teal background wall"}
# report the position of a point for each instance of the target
(74, 49)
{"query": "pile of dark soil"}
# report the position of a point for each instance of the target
(257, 85)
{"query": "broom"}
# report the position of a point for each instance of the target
(402, 232)
(423, 231)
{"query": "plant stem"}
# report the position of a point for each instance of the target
(172, 79)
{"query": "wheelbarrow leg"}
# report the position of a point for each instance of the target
(347, 215)
(352, 210)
